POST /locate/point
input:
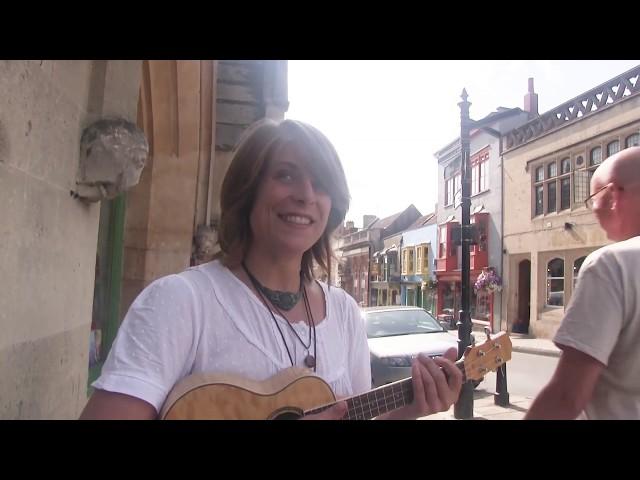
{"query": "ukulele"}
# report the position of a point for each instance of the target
(296, 392)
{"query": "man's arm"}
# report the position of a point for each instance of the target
(570, 388)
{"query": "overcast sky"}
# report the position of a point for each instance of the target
(388, 118)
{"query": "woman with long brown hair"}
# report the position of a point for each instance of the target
(258, 310)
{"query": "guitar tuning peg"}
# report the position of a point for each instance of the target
(487, 332)
(467, 350)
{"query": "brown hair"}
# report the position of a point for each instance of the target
(248, 166)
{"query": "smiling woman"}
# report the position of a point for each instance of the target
(258, 313)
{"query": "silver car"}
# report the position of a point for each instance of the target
(397, 335)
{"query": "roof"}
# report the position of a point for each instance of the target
(428, 219)
(383, 223)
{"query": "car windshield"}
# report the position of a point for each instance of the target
(400, 322)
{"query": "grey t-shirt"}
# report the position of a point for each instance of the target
(603, 321)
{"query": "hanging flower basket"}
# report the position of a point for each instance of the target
(488, 281)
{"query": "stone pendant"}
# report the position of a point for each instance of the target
(310, 361)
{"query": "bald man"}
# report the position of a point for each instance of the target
(598, 374)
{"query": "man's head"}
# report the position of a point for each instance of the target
(615, 199)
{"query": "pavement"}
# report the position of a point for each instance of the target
(536, 346)
(484, 408)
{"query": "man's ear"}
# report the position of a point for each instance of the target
(616, 190)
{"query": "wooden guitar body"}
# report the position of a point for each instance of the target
(226, 397)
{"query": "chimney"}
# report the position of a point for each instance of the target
(349, 226)
(368, 220)
(531, 100)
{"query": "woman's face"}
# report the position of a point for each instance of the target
(292, 208)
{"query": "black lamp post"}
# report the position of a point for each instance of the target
(463, 409)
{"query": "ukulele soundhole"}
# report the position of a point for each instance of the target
(287, 414)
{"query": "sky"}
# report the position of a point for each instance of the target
(388, 118)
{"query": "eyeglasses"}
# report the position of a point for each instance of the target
(590, 199)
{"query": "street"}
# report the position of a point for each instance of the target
(527, 374)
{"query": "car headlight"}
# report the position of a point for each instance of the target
(396, 361)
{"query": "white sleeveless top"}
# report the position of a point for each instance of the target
(206, 320)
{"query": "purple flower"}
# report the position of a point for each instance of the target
(488, 280)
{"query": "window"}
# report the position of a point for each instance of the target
(442, 252)
(452, 182)
(481, 225)
(555, 283)
(384, 273)
(481, 305)
(453, 190)
(552, 193)
(425, 259)
(448, 192)
(576, 269)
(613, 147)
(405, 261)
(411, 256)
(419, 260)
(632, 140)
(375, 270)
(551, 197)
(582, 178)
(457, 190)
(422, 260)
(565, 193)
(479, 177)
(595, 157)
(539, 200)
(393, 264)
(475, 184)
(484, 176)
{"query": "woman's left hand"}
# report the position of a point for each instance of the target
(433, 391)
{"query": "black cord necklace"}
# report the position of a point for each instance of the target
(310, 360)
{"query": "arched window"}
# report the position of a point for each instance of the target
(576, 269)
(632, 140)
(613, 147)
(595, 157)
(555, 282)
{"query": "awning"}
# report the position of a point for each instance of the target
(392, 248)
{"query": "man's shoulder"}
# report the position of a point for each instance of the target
(619, 252)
